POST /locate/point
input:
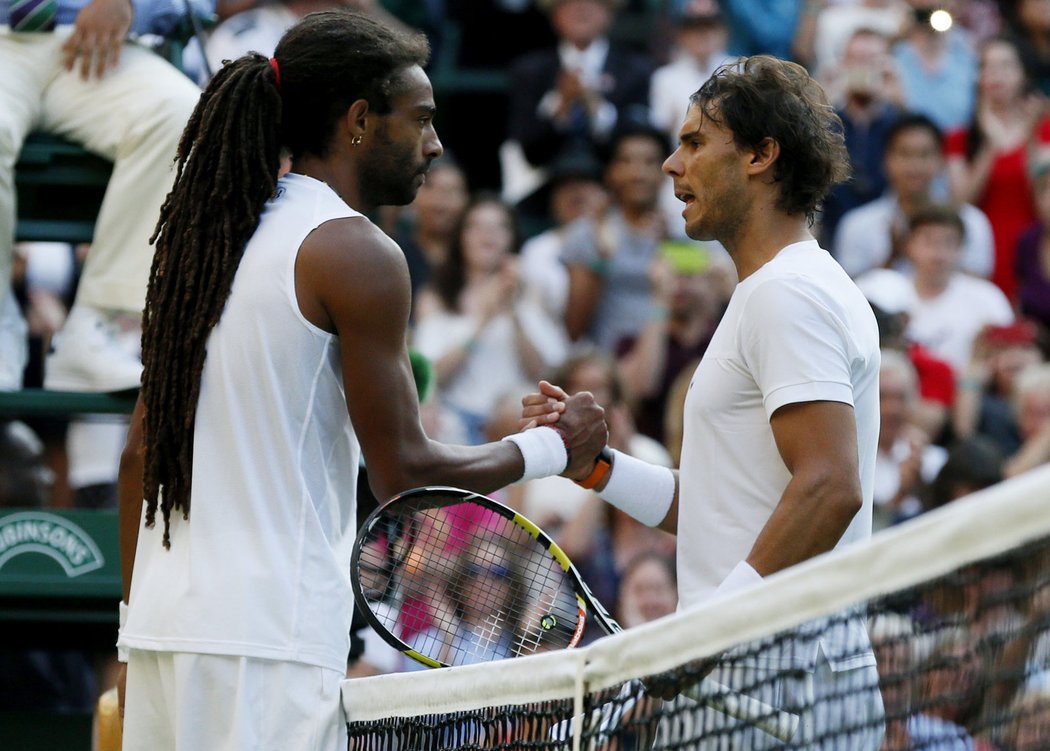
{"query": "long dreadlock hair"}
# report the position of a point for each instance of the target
(226, 169)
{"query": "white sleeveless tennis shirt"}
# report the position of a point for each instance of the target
(261, 568)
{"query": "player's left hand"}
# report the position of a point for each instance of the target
(544, 407)
(98, 37)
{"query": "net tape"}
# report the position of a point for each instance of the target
(956, 603)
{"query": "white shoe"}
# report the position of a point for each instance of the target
(88, 355)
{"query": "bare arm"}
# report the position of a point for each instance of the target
(129, 505)
(352, 279)
(818, 442)
(968, 179)
(129, 497)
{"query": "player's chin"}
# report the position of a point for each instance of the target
(401, 197)
(694, 230)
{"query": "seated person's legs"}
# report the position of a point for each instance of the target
(135, 116)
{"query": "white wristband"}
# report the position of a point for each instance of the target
(640, 489)
(122, 618)
(543, 450)
(741, 577)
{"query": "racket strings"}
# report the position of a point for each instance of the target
(478, 586)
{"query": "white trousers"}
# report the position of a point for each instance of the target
(179, 701)
(134, 116)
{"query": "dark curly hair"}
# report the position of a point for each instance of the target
(764, 97)
(226, 170)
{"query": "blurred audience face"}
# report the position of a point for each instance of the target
(647, 592)
(691, 292)
(575, 198)
(1010, 361)
(951, 680)
(701, 32)
(934, 251)
(1033, 400)
(913, 160)
(1010, 350)
(1031, 729)
(1034, 15)
(441, 199)
(891, 639)
(487, 236)
(593, 375)
(634, 173)
(866, 62)
(580, 22)
(1002, 78)
(486, 582)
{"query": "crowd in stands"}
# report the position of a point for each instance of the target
(546, 242)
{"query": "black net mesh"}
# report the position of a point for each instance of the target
(953, 661)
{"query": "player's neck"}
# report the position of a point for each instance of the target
(337, 175)
(767, 233)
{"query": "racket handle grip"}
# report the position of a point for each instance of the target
(776, 722)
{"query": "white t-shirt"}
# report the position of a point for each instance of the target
(948, 324)
(262, 567)
(796, 330)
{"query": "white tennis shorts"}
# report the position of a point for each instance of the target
(179, 701)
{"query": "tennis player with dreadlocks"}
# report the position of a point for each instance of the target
(274, 346)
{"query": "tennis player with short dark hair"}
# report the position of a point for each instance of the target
(782, 418)
(275, 355)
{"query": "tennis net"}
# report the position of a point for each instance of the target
(955, 606)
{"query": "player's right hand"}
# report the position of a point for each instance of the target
(584, 426)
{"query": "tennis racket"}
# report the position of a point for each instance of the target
(450, 577)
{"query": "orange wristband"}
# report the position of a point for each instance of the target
(602, 465)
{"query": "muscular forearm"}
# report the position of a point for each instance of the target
(481, 469)
(809, 520)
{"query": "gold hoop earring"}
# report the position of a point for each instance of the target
(356, 141)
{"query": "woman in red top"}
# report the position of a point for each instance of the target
(987, 162)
